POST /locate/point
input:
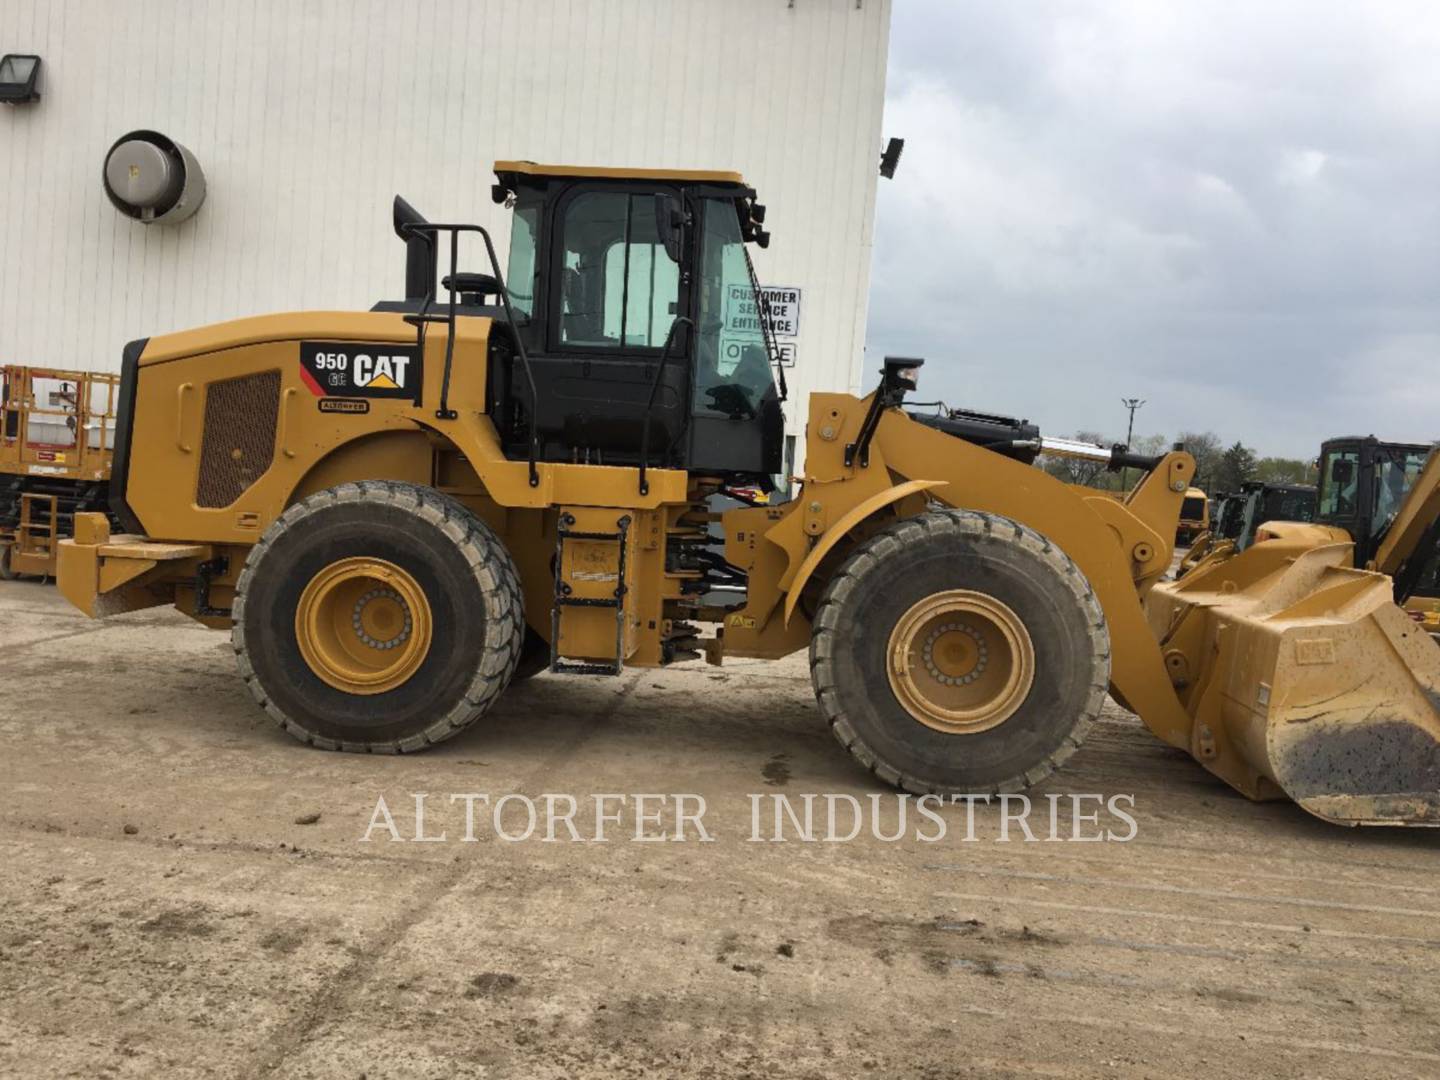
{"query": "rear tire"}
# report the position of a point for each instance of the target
(377, 616)
(6, 574)
(958, 652)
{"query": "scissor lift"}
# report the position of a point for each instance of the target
(57, 434)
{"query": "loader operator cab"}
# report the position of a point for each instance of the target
(634, 297)
(1260, 502)
(1226, 518)
(1363, 481)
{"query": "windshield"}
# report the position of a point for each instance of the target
(732, 371)
(1395, 472)
(1192, 509)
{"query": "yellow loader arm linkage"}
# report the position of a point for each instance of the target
(1123, 548)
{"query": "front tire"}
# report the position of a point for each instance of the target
(377, 616)
(958, 652)
(534, 657)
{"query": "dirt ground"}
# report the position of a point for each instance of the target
(165, 911)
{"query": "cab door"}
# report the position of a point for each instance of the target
(617, 288)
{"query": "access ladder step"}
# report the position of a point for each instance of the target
(565, 598)
(591, 535)
(563, 668)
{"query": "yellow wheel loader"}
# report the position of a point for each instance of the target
(1238, 519)
(1194, 516)
(398, 512)
(1330, 686)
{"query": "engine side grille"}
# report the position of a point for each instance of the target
(239, 436)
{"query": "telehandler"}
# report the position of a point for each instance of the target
(398, 512)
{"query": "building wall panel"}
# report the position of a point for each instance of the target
(308, 117)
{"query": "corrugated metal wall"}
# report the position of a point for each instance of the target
(308, 117)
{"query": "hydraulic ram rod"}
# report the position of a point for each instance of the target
(1114, 457)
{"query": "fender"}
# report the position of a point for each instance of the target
(836, 532)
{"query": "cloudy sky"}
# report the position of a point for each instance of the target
(1231, 210)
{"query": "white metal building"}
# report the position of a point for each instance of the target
(306, 118)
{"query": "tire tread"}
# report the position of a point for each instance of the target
(960, 524)
(494, 572)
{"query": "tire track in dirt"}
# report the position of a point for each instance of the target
(337, 998)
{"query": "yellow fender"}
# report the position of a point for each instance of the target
(848, 521)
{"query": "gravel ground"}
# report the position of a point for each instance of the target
(186, 892)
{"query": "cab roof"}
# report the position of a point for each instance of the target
(697, 176)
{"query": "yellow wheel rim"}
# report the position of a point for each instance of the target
(363, 625)
(960, 662)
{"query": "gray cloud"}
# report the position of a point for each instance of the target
(1229, 209)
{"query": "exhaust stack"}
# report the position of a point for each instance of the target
(419, 252)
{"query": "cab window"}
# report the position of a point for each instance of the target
(520, 270)
(1339, 482)
(732, 368)
(1394, 477)
(1247, 516)
(1292, 506)
(619, 288)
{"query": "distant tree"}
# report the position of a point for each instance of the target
(1277, 470)
(1150, 445)
(1236, 465)
(1204, 447)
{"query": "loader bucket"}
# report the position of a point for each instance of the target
(1310, 678)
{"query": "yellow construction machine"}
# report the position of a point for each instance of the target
(1238, 517)
(396, 513)
(1325, 686)
(1194, 516)
(57, 431)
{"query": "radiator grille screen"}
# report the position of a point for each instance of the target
(239, 438)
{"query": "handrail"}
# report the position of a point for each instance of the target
(445, 412)
(650, 405)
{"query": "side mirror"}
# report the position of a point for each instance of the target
(1342, 471)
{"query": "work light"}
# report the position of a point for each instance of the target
(18, 76)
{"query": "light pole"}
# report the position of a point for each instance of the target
(1131, 403)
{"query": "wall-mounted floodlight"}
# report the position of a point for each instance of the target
(153, 179)
(19, 78)
(891, 158)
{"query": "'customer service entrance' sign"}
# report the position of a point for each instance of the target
(742, 323)
(784, 304)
